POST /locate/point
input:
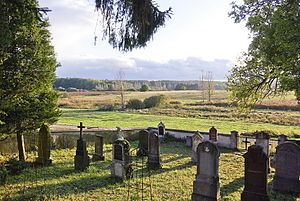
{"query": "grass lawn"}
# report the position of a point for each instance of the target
(173, 182)
(129, 120)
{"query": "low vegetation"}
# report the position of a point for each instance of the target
(173, 182)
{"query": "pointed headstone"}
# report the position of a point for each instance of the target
(44, 145)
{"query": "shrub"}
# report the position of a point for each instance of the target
(154, 101)
(135, 104)
(144, 88)
(14, 166)
(108, 107)
(3, 174)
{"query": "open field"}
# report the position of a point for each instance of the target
(173, 182)
(186, 110)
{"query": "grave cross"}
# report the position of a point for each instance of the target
(246, 143)
(81, 127)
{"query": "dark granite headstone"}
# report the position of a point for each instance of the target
(154, 151)
(143, 143)
(81, 160)
(256, 170)
(287, 168)
(213, 135)
(161, 129)
(206, 186)
(121, 162)
(98, 155)
(44, 145)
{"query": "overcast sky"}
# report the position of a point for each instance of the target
(199, 37)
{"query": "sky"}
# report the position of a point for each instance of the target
(200, 37)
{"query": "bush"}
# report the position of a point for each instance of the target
(14, 166)
(3, 174)
(144, 88)
(154, 101)
(109, 107)
(135, 104)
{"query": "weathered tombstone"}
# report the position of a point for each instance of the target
(44, 145)
(281, 139)
(154, 151)
(213, 135)
(81, 159)
(287, 168)
(256, 170)
(188, 141)
(206, 186)
(161, 131)
(262, 139)
(234, 139)
(143, 143)
(121, 164)
(196, 140)
(98, 155)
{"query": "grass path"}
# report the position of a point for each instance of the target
(128, 120)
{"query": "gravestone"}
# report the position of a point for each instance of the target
(143, 143)
(287, 168)
(121, 163)
(213, 135)
(262, 139)
(161, 131)
(44, 145)
(154, 151)
(234, 139)
(256, 170)
(99, 142)
(206, 186)
(196, 140)
(81, 159)
(188, 141)
(281, 139)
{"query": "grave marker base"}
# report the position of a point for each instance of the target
(251, 196)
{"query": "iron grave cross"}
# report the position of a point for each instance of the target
(81, 127)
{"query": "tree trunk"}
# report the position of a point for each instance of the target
(21, 146)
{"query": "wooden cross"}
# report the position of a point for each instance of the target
(246, 143)
(81, 127)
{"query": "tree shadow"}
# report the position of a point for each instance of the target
(232, 186)
(277, 195)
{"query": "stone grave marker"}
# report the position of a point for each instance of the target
(213, 135)
(234, 139)
(81, 159)
(121, 162)
(256, 170)
(188, 141)
(262, 139)
(196, 140)
(287, 168)
(206, 186)
(143, 143)
(154, 151)
(281, 139)
(161, 131)
(99, 144)
(44, 145)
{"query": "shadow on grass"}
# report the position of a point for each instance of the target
(276, 195)
(232, 187)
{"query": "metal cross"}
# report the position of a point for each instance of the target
(246, 143)
(81, 127)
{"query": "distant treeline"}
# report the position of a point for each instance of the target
(73, 84)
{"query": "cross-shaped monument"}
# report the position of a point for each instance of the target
(246, 143)
(80, 127)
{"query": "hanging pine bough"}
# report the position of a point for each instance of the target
(130, 24)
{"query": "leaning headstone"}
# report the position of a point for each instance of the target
(154, 151)
(196, 140)
(206, 186)
(44, 145)
(281, 139)
(81, 159)
(256, 170)
(287, 168)
(99, 142)
(143, 143)
(121, 165)
(213, 135)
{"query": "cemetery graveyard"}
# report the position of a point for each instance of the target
(157, 164)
